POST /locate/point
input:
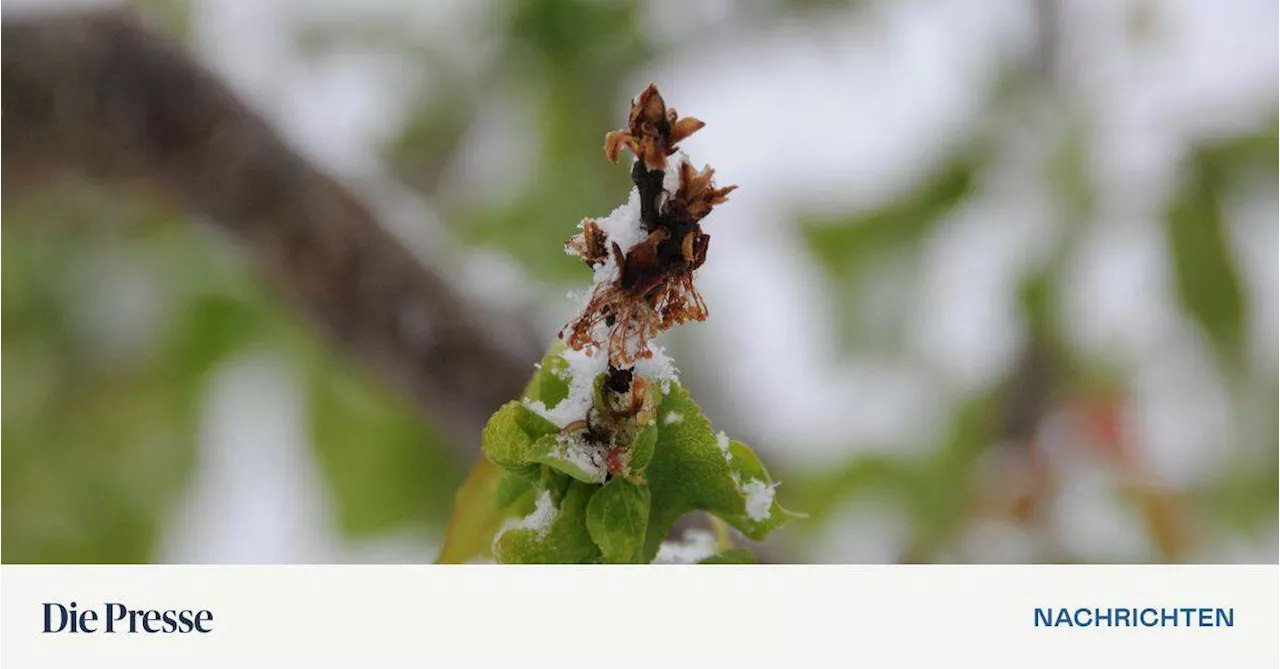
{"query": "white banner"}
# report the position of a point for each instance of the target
(722, 616)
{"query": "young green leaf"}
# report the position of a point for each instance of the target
(504, 441)
(617, 518)
(567, 457)
(690, 471)
(552, 383)
(641, 450)
(534, 425)
(511, 487)
(762, 514)
(511, 433)
(551, 534)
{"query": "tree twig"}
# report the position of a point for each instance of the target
(99, 94)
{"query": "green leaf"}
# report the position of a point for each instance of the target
(476, 516)
(552, 452)
(512, 486)
(617, 517)
(560, 539)
(762, 514)
(1206, 278)
(534, 425)
(533, 473)
(552, 378)
(879, 247)
(676, 465)
(641, 451)
(385, 467)
(505, 440)
(840, 243)
(689, 471)
(821, 492)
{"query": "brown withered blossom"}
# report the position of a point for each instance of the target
(698, 193)
(652, 132)
(653, 289)
(589, 244)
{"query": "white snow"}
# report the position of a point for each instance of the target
(544, 513)
(624, 227)
(694, 546)
(581, 373)
(722, 440)
(758, 494)
(658, 368)
(671, 178)
(621, 227)
(585, 456)
(540, 520)
(583, 369)
(759, 499)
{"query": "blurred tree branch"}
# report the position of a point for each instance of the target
(99, 94)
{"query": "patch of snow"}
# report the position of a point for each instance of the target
(540, 520)
(671, 178)
(722, 440)
(758, 494)
(658, 368)
(622, 227)
(583, 369)
(694, 546)
(590, 458)
(759, 499)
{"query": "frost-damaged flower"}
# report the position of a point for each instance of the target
(645, 253)
(652, 131)
(605, 432)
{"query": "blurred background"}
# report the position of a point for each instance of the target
(999, 283)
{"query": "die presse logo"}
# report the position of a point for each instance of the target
(117, 618)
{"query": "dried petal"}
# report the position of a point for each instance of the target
(648, 109)
(686, 247)
(652, 132)
(588, 244)
(613, 143)
(653, 289)
(697, 193)
(684, 127)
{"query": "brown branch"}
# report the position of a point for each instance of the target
(99, 94)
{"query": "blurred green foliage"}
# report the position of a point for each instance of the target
(1207, 283)
(844, 243)
(100, 439)
(99, 444)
